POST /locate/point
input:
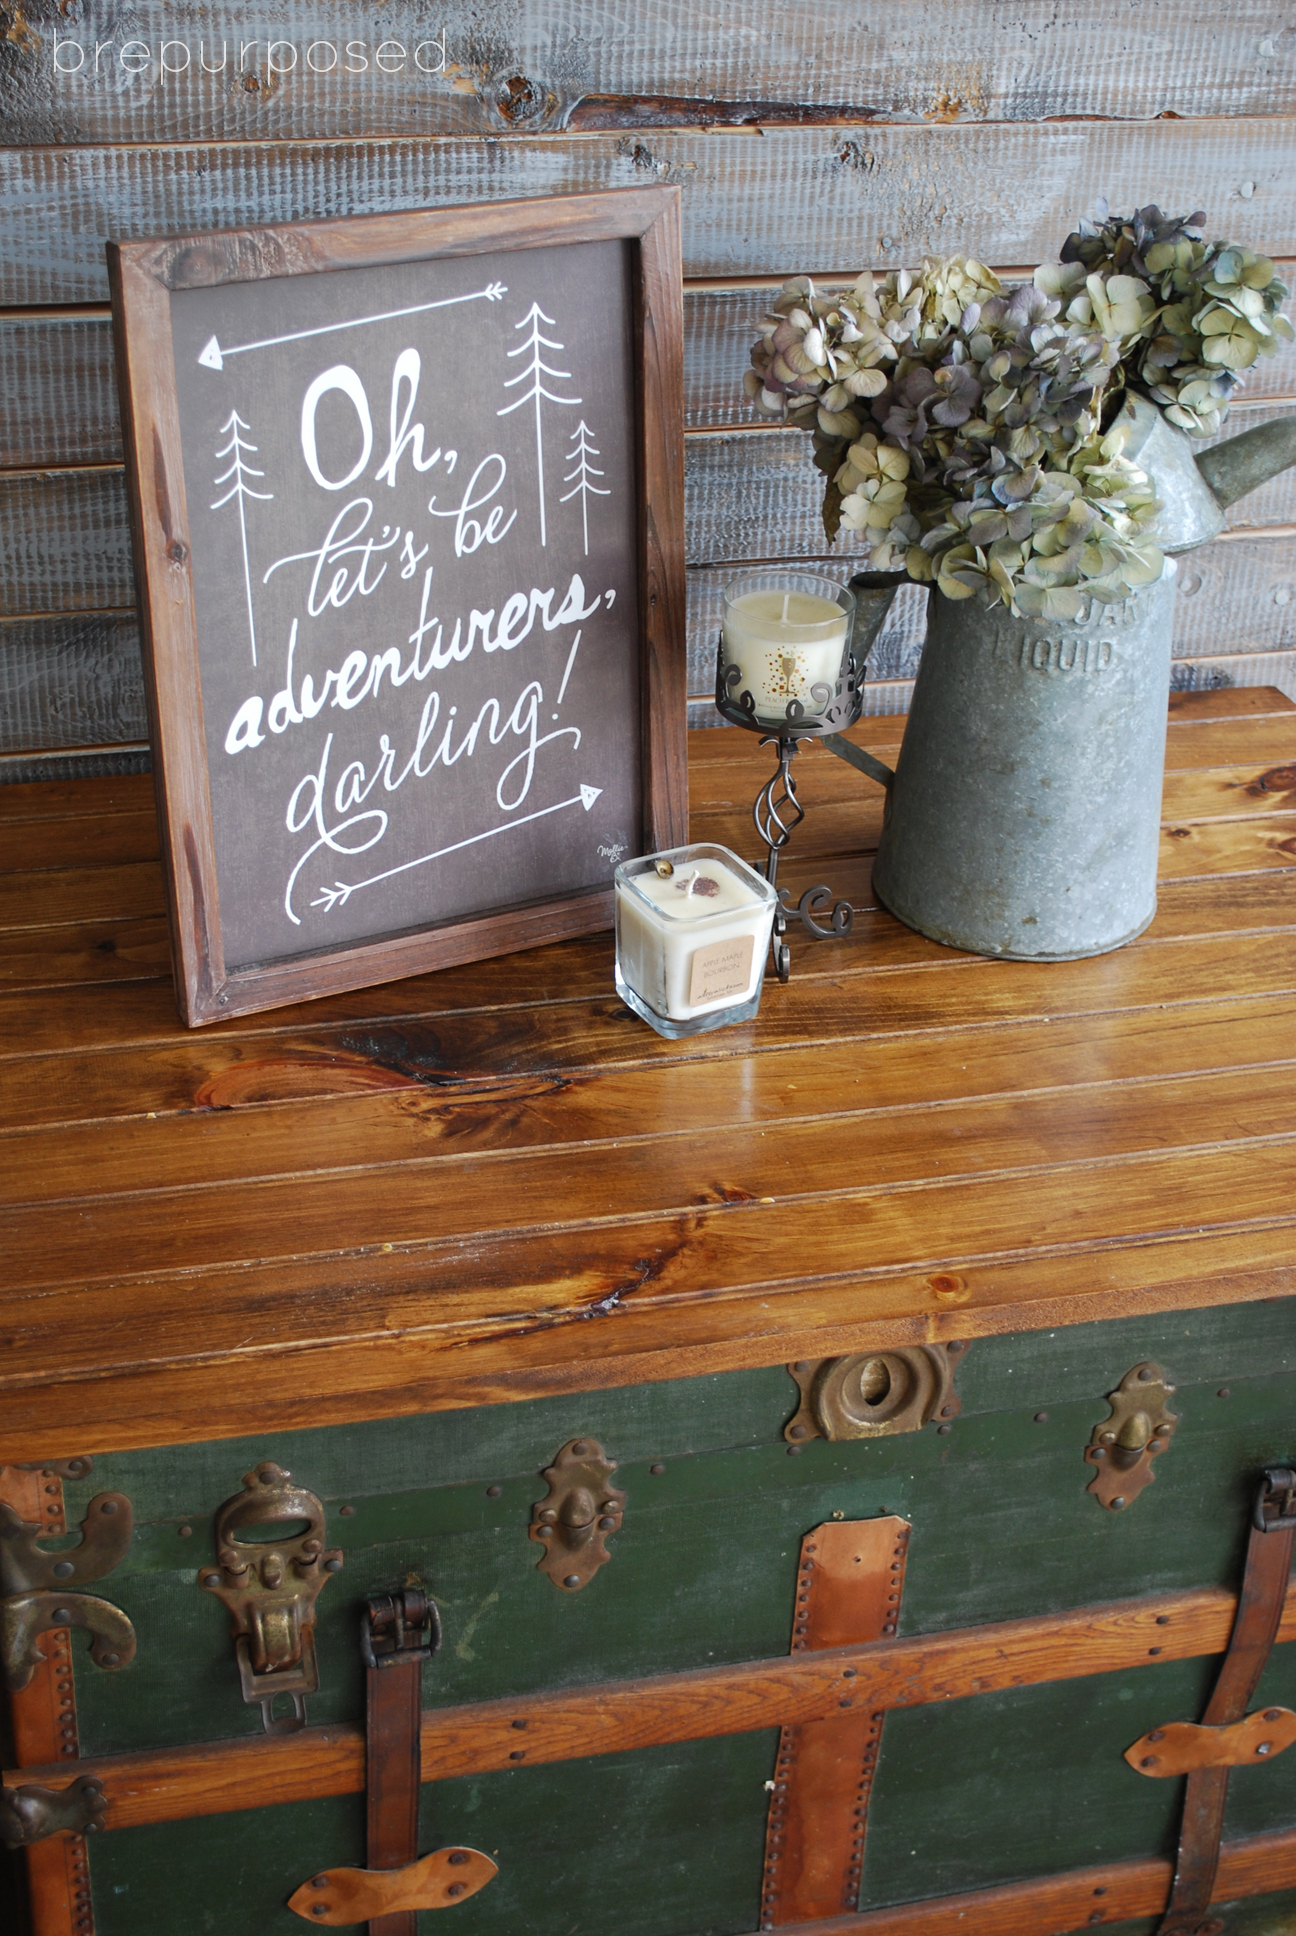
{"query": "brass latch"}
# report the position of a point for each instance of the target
(31, 1814)
(38, 1589)
(582, 1508)
(1123, 1447)
(270, 1577)
(874, 1394)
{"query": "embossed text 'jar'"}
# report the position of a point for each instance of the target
(1024, 817)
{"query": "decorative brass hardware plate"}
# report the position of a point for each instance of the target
(436, 1881)
(874, 1394)
(56, 1468)
(270, 1586)
(1124, 1445)
(1181, 1746)
(30, 1814)
(581, 1509)
(38, 1589)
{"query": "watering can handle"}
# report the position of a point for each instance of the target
(856, 756)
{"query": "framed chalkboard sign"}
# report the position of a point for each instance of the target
(407, 495)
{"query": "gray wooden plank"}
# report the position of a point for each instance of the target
(536, 61)
(71, 682)
(65, 534)
(779, 200)
(58, 398)
(720, 326)
(76, 679)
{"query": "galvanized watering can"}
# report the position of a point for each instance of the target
(1023, 814)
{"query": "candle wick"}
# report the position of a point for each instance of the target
(786, 597)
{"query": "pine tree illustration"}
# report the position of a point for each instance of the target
(240, 491)
(535, 372)
(579, 455)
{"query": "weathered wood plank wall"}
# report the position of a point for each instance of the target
(823, 136)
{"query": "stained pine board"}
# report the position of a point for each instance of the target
(58, 396)
(502, 1058)
(828, 197)
(158, 1201)
(80, 799)
(501, 1288)
(28, 845)
(536, 64)
(92, 951)
(51, 898)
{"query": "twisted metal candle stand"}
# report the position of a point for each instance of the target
(777, 812)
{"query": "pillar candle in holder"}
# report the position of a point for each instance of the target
(692, 929)
(787, 633)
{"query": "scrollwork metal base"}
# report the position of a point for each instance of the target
(777, 812)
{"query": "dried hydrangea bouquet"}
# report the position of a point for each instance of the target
(971, 436)
(1027, 453)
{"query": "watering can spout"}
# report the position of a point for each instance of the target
(1249, 460)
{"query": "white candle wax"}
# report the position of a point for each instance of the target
(784, 643)
(694, 941)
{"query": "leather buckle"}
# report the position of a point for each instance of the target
(1275, 1506)
(399, 1628)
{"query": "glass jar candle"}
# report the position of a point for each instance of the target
(692, 929)
(785, 640)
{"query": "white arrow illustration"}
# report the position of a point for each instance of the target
(341, 891)
(213, 353)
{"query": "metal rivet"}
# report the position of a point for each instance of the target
(944, 1430)
(803, 1365)
(1102, 1891)
(456, 1888)
(1223, 1392)
(947, 1411)
(798, 1431)
(333, 1565)
(213, 1579)
(548, 1512)
(1148, 1761)
(458, 1857)
(109, 1506)
(517, 1724)
(656, 1470)
(580, 1448)
(319, 1882)
(347, 1512)
(493, 1492)
(795, 1450)
(544, 1532)
(319, 1909)
(1117, 1505)
(1264, 1747)
(64, 1570)
(1041, 1418)
(186, 1532)
(1154, 1650)
(1163, 1620)
(607, 1525)
(1156, 1734)
(1273, 1714)
(1145, 1374)
(110, 1660)
(573, 1579)
(518, 1754)
(63, 1615)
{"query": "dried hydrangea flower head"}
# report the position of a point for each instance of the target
(963, 431)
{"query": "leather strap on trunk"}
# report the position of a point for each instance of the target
(1255, 1626)
(400, 1632)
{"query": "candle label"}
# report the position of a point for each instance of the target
(721, 969)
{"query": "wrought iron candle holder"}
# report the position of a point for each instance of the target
(789, 690)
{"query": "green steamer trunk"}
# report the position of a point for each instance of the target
(1006, 1787)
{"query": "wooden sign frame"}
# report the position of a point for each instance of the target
(144, 276)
